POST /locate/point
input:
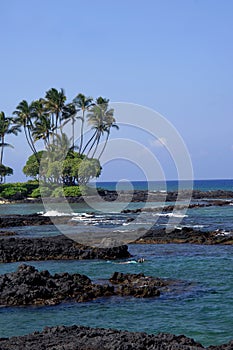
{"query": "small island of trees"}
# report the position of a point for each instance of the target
(60, 163)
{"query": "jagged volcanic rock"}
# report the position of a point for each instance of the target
(54, 248)
(28, 286)
(86, 338)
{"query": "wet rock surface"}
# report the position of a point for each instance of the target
(54, 248)
(185, 235)
(86, 338)
(138, 285)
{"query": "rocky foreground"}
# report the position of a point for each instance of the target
(185, 235)
(59, 247)
(28, 286)
(86, 338)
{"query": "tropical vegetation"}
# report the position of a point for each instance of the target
(57, 158)
(7, 126)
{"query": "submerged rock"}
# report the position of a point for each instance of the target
(54, 248)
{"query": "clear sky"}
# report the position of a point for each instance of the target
(174, 56)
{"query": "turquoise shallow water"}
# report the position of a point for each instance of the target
(202, 307)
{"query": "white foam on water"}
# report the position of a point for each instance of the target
(56, 213)
(170, 215)
(224, 233)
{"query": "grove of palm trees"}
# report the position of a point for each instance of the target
(62, 153)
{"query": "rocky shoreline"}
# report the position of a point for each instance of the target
(31, 220)
(132, 196)
(87, 338)
(185, 235)
(59, 247)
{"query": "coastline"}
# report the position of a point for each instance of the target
(131, 196)
(186, 235)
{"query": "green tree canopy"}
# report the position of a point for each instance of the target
(32, 167)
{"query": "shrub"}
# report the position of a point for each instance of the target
(14, 191)
(58, 192)
(67, 191)
(87, 191)
(72, 191)
(41, 191)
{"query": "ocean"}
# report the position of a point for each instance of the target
(202, 309)
(171, 185)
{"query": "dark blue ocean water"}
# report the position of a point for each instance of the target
(202, 185)
(202, 309)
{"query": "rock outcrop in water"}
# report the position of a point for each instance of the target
(54, 248)
(28, 286)
(178, 207)
(86, 338)
(138, 285)
(31, 220)
(185, 235)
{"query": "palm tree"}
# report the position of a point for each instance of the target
(25, 113)
(82, 103)
(69, 114)
(42, 126)
(5, 171)
(102, 120)
(96, 119)
(7, 127)
(110, 122)
(54, 103)
(42, 130)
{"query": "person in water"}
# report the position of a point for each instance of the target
(141, 260)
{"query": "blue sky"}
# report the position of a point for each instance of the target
(174, 56)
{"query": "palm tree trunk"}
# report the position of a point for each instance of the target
(89, 142)
(73, 133)
(31, 144)
(1, 159)
(97, 144)
(105, 144)
(81, 139)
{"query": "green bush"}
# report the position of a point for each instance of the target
(41, 191)
(67, 191)
(58, 192)
(14, 191)
(31, 186)
(72, 191)
(87, 191)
